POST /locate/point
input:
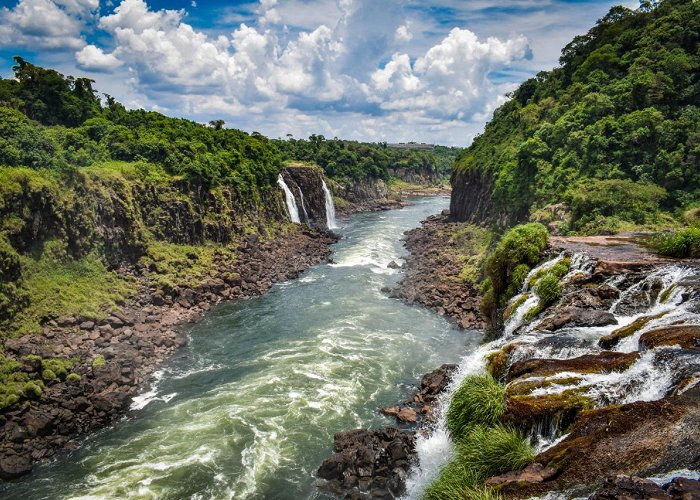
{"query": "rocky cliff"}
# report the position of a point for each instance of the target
(306, 184)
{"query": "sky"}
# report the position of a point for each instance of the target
(371, 70)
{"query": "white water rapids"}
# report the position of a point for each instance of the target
(654, 375)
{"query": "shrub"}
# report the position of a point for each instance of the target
(73, 377)
(548, 290)
(479, 400)
(593, 200)
(520, 246)
(49, 375)
(682, 244)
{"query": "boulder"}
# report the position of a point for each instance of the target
(14, 466)
(570, 317)
(629, 487)
(533, 473)
(685, 336)
(606, 361)
(683, 488)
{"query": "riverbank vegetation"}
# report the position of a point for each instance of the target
(613, 133)
(483, 446)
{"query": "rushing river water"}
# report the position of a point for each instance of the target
(249, 408)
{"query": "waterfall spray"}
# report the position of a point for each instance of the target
(291, 202)
(330, 208)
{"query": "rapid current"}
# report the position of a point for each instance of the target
(249, 408)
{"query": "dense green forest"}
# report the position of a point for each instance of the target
(59, 123)
(357, 160)
(614, 132)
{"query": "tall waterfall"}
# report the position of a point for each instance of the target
(291, 202)
(303, 205)
(330, 208)
(651, 377)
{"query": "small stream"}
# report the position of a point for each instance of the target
(249, 408)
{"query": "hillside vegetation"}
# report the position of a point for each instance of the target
(613, 133)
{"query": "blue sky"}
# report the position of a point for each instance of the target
(394, 70)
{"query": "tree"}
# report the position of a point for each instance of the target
(217, 124)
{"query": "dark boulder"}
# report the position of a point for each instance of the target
(571, 317)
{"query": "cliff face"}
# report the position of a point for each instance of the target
(471, 199)
(306, 184)
(114, 216)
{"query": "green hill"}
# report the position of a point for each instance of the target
(613, 133)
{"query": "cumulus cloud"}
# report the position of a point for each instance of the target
(451, 79)
(92, 58)
(45, 24)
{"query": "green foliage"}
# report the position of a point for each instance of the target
(592, 201)
(472, 243)
(479, 400)
(73, 377)
(99, 361)
(619, 121)
(548, 290)
(684, 243)
(520, 248)
(481, 453)
(56, 284)
(494, 450)
(357, 160)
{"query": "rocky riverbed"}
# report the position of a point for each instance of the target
(604, 382)
(115, 357)
(432, 272)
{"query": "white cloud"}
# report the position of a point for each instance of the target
(45, 24)
(403, 33)
(451, 79)
(93, 58)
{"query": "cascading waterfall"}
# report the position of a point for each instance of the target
(303, 204)
(291, 202)
(330, 208)
(656, 373)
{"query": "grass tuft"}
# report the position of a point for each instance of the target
(479, 400)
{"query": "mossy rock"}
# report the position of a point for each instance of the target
(614, 338)
(527, 412)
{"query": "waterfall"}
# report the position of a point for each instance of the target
(330, 208)
(303, 205)
(655, 374)
(291, 202)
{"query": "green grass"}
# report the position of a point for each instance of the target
(58, 286)
(472, 243)
(172, 265)
(548, 290)
(481, 453)
(683, 244)
(479, 400)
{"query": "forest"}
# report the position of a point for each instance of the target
(613, 132)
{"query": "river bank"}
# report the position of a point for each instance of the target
(115, 358)
(612, 366)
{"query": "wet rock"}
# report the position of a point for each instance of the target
(575, 317)
(393, 265)
(533, 473)
(683, 488)
(685, 336)
(365, 458)
(407, 415)
(628, 439)
(590, 363)
(629, 487)
(610, 341)
(14, 466)
(434, 383)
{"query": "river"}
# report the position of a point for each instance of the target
(249, 408)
